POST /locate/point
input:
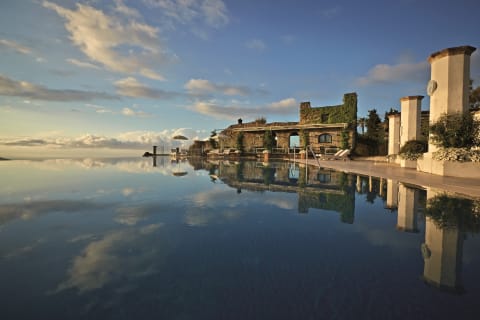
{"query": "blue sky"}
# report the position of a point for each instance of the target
(122, 75)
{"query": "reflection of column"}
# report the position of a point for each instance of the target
(359, 184)
(154, 161)
(407, 209)
(442, 253)
(392, 194)
(381, 187)
(370, 184)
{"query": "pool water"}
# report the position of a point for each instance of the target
(155, 239)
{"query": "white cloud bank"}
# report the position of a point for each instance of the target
(138, 140)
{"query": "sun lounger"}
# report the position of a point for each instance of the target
(330, 156)
(343, 155)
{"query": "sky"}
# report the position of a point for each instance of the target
(118, 76)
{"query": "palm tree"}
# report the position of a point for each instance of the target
(361, 122)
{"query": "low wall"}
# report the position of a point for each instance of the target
(448, 168)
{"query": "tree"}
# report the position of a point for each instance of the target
(474, 97)
(268, 140)
(213, 142)
(361, 123)
(373, 124)
(240, 144)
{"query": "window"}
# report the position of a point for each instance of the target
(325, 117)
(324, 177)
(325, 138)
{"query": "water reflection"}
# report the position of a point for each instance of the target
(446, 218)
(167, 233)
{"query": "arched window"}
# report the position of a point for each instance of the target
(325, 138)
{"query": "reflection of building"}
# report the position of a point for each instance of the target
(407, 208)
(319, 189)
(442, 253)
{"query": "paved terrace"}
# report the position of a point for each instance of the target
(461, 186)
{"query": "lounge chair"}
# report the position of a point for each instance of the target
(343, 155)
(331, 156)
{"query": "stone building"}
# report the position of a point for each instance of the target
(325, 129)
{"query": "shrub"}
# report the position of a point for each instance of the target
(413, 149)
(455, 131)
(457, 154)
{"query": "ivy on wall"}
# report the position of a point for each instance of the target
(344, 113)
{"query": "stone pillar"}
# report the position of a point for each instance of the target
(392, 194)
(407, 209)
(393, 134)
(448, 87)
(410, 124)
(442, 254)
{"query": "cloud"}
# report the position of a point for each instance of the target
(13, 88)
(132, 113)
(98, 109)
(202, 86)
(82, 64)
(123, 9)
(212, 109)
(285, 104)
(102, 261)
(100, 37)
(211, 12)
(384, 73)
(131, 87)
(32, 209)
(15, 46)
(256, 44)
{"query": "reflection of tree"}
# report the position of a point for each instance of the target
(450, 212)
(268, 175)
(239, 168)
(342, 202)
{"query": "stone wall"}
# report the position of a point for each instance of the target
(344, 113)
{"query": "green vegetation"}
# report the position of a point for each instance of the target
(452, 212)
(345, 139)
(240, 142)
(304, 138)
(372, 142)
(212, 141)
(344, 113)
(268, 140)
(413, 149)
(456, 131)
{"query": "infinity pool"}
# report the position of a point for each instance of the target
(144, 239)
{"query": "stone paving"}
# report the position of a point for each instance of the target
(461, 186)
